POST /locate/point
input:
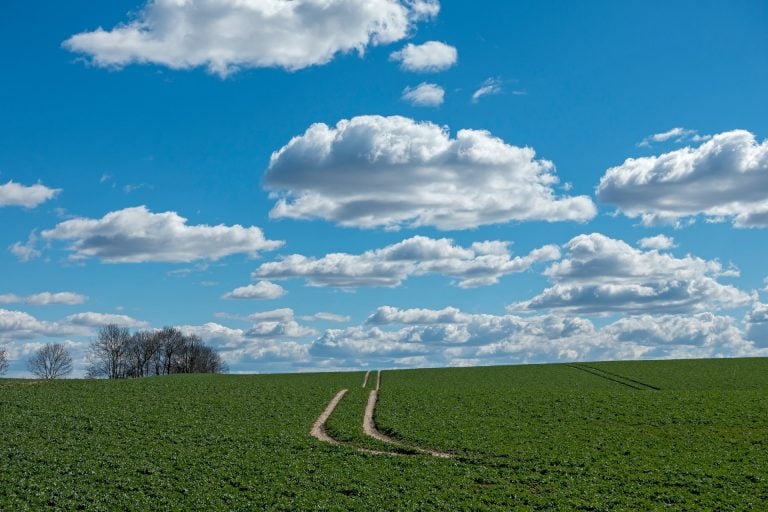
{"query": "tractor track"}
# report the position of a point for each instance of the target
(320, 433)
(613, 377)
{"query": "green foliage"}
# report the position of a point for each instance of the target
(544, 437)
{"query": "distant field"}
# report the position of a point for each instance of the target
(667, 435)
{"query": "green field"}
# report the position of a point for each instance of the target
(539, 437)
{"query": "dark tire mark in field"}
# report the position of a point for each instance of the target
(365, 380)
(597, 373)
(369, 426)
(623, 377)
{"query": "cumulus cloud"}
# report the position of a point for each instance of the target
(424, 95)
(16, 194)
(136, 235)
(236, 345)
(393, 171)
(44, 298)
(226, 35)
(386, 315)
(90, 319)
(450, 337)
(260, 290)
(678, 134)
(326, 317)
(20, 325)
(26, 251)
(658, 242)
(757, 324)
(724, 178)
(490, 86)
(429, 57)
(602, 275)
(480, 264)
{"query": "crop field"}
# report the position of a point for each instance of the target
(660, 435)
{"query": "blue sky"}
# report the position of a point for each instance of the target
(134, 116)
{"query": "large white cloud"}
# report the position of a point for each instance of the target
(16, 194)
(237, 345)
(451, 337)
(427, 57)
(135, 235)
(393, 171)
(44, 298)
(21, 325)
(725, 178)
(483, 263)
(600, 275)
(224, 35)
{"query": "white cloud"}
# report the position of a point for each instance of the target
(757, 324)
(91, 319)
(44, 298)
(450, 337)
(236, 346)
(136, 235)
(424, 95)
(393, 171)
(226, 35)
(260, 290)
(280, 329)
(601, 275)
(724, 178)
(26, 251)
(677, 134)
(429, 57)
(20, 325)
(16, 194)
(490, 86)
(478, 265)
(658, 242)
(326, 317)
(386, 315)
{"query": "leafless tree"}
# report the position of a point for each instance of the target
(141, 351)
(107, 354)
(3, 360)
(118, 354)
(51, 362)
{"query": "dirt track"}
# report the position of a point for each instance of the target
(365, 380)
(369, 426)
(318, 429)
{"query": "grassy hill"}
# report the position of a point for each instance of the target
(682, 435)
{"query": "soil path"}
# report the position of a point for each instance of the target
(365, 380)
(318, 429)
(369, 426)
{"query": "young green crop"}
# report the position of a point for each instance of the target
(525, 437)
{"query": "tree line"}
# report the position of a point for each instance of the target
(116, 353)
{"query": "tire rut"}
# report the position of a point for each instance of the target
(370, 429)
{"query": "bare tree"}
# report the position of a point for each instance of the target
(3, 360)
(107, 354)
(51, 362)
(118, 354)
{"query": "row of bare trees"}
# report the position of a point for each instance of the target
(116, 353)
(119, 354)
